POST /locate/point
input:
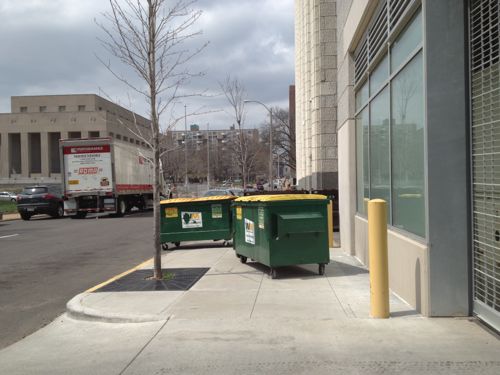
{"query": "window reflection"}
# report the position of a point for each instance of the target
(380, 149)
(390, 134)
(407, 148)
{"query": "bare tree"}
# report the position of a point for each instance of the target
(149, 36)
(283, 136)
(235, 94)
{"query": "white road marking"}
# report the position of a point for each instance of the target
(10, 235)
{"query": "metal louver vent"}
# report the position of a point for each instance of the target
(361, 61)
(485, 91)
(378, 33)
(396, 10)
(383, 23)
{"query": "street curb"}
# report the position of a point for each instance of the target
(12, 218)
(119, 276)
(76, 310)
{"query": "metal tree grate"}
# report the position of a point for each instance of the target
(137, 281)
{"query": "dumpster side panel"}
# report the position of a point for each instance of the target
(300, 234)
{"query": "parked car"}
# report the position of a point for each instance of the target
(40, 199)
(8, 196)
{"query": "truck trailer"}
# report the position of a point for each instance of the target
(105, 175)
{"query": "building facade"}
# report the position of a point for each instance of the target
(418, 124)
(315, 94)
(29, 135)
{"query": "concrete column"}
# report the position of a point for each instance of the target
(449, 234)
(25, 155)
(44, 146)
(347, 185)
(4, 155)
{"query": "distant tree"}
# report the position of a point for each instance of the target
(235, 94)
(149, 36)
(283, 137)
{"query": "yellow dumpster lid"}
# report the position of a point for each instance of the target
(201, 199)
(280, 197)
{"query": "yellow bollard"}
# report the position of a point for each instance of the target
(377, 248)
(330, 223)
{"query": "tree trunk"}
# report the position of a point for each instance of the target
(156, 140)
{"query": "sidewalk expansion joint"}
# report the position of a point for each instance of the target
(144, 347)
(257, 295)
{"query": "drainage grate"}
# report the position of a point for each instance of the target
(183, 279)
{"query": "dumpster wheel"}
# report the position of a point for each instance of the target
(164, 246)
(321, 269)
(274, 273)
(177, 244)
(243, 259)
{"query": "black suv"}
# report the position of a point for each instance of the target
(40, 199)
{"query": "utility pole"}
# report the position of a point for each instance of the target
(271, 182)
(270, 110)
(185, 148)
(208, 156)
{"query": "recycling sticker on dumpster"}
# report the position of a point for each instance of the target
(216, 211)
(191, 220)
(261, 217)
(249, 232)
(171, 212)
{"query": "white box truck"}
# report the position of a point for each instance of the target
(105, 175)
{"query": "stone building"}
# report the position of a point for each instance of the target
(315, 94)
(29, 135)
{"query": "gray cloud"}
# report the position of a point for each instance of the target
(49, 47)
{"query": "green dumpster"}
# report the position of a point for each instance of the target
(195, 219)
(282, 230)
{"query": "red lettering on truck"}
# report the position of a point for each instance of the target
(86, 149)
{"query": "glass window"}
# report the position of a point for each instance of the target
(380, 149)
(406, 43)
(379, 76)
(390, 134)
(362, 95)
(362, 166)
(408, 148)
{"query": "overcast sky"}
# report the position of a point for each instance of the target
(50, 47)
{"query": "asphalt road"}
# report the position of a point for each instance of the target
(45, 262)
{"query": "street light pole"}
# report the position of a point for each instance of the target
(271, 182)
(208, 156)
(185, 149)
(270, 110)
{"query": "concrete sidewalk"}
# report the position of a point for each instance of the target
(236, 319)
